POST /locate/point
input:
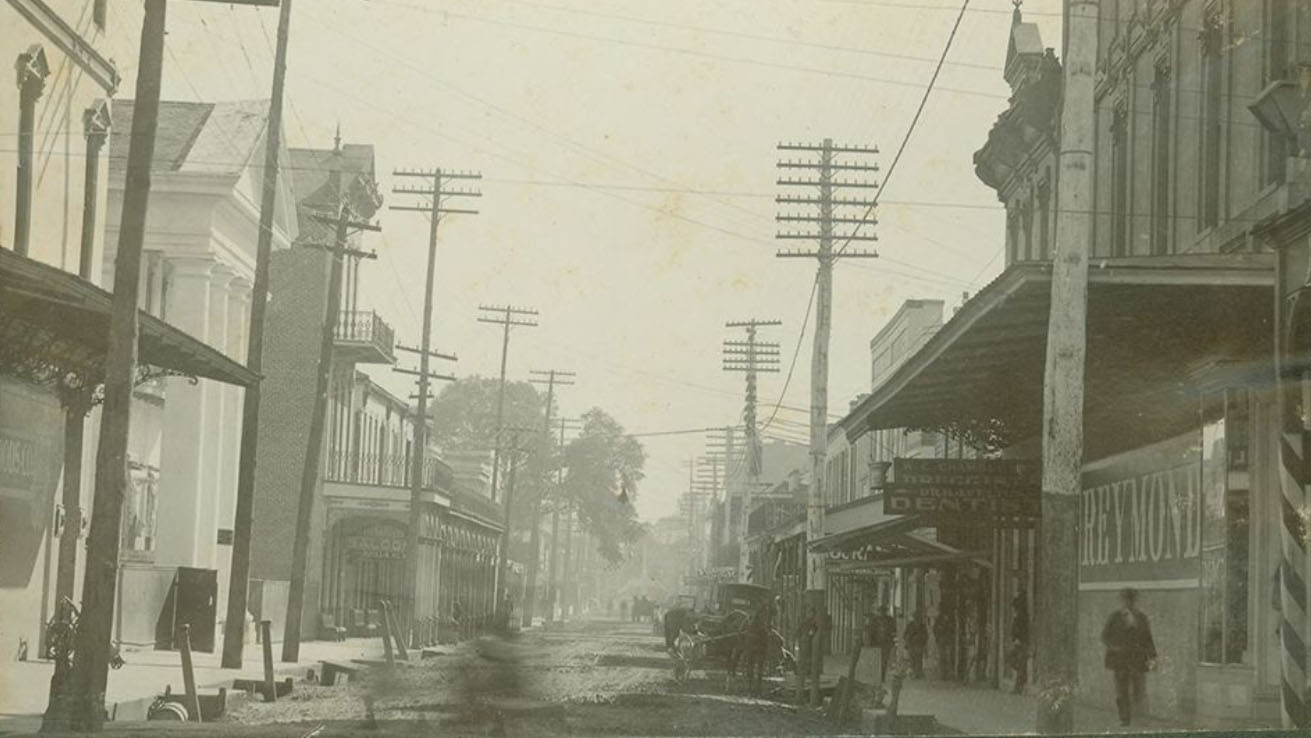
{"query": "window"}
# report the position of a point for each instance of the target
(1276, 146)
(1162, 217)
(1212, 37)
(1225, 531)
(1119, 181)
(137, 540)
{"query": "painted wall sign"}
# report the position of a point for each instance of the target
(376, 547)
(982, 489)
(1142, 517)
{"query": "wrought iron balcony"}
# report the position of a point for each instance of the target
(364, 338)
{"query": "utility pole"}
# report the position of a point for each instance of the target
(552, 378)
(506, 316)
(733, 460)
(343, 222)
(234, 627)
(821, 186)
(1067, 325)
(440, 191)
(553, 587)
(503, 563)
(77, 699)
(752, 357)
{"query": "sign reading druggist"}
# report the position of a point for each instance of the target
(967, 489)
(1142, 519)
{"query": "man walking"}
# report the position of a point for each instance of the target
(1130, 652)
(1018, 654)
(883, 636)
(917, 639)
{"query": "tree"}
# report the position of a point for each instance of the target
(603, 467)
(464, 413)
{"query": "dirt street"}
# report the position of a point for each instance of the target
(598, 679)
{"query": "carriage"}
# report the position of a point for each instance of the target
(719, 638)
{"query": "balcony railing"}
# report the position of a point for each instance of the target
(365, 338)
(386, 470)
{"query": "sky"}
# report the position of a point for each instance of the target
(628, 153)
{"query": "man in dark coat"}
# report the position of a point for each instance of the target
(917, 639)
(883, 636)
(1130, 652)
(1018, 655)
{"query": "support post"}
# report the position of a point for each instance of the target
(189, 674)
(266, 641)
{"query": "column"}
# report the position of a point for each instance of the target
(185, 455)
(221, 471)
(234, 345)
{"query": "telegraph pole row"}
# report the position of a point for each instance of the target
(503, 563)
(343, 223)
(751, 357)
(820, 185)
(439, 192)
(552, 587)
(550, 378)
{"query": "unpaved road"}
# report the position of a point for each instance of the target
(594, 679)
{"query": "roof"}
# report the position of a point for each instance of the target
(987, 362)
(68, 318)
(316, 190)
(203, 137)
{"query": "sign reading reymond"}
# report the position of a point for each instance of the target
(983, 488)
(1142, 515)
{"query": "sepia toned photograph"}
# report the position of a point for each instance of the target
(655, 368)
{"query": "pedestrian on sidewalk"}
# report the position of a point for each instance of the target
(1018, 654)
(883, 636)
(1130, 653)
(917, 639)
(806, 631)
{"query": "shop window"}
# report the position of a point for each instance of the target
(1226, 508)
(140, 507)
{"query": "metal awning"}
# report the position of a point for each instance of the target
(54, 329)
(903, 541)
(1153, 324)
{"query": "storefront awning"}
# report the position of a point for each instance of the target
(54, 329)
(1153, 323)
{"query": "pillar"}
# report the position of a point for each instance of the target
(238, 320)
(185, 456)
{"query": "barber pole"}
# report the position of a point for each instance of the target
(1295, 475)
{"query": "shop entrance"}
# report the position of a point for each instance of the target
(366, 564)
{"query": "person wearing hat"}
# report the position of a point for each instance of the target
(1130, 652)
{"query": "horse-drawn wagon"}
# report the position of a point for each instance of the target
(739, 630)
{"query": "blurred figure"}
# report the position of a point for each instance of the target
(1018, 655)
(1130, 653)
(917, 639)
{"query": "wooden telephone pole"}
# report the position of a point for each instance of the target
(822, 183)
(752, 357)
(553, 584)
(552, 378)
(440, 191)
(234, 627)
(1056, 653)
(507, 316)
(342, 222)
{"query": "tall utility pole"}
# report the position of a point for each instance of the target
(752, 357)
(77, 699)
(440, 191)
(343, 222)
(820, 184)
(733, 463)
(553, 585)
(506, 316)
(503, 563)
(234, 630)
(550, 378)
(1067, 324)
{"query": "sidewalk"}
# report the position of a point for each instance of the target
(25, 685)
(982, 710)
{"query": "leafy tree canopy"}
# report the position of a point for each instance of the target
(602, 469)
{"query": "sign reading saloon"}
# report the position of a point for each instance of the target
(1141, 516)
(980, 488)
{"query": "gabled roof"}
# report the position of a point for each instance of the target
(202, 137)
(312, 177)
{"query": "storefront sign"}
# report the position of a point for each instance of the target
(965, 489)
(18, 464)
(1142, 518)
(376, 547)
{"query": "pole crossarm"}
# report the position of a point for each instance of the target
(835, 148)
(798, 254)
(333, 220)
(837, 184)
(790, 218)
(415, 350)
(418, 373)
(430, 191)
(834, 201)
(812, 236)
(431, 173)
(354, 253)
(439, 211)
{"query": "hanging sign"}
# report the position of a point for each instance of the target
(965, 489)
